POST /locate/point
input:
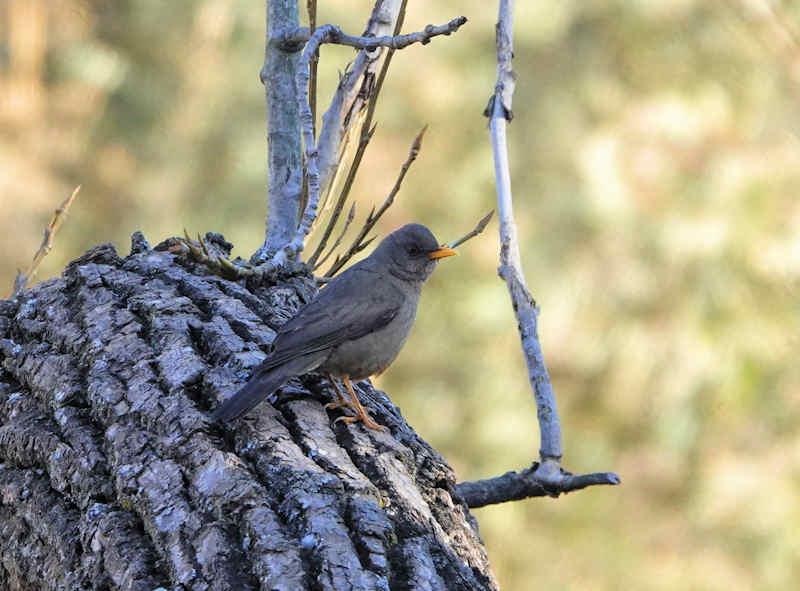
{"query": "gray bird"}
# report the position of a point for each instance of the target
(354, 328)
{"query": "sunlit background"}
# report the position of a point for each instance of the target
(656, 167)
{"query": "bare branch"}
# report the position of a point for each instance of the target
(339, 37)
(59, 214)
(510, 264)
(311, 8)
(367, 131)
(284, 156)
(333, 34)
(481, 225)
(295, 245)
(322, 35)
(499, 110)
(525, 484)
(358, 243)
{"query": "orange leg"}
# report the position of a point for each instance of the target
(361, 412)
(340, 400)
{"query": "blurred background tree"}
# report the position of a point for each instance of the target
(656, 164)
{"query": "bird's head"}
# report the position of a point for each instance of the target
(411, 252)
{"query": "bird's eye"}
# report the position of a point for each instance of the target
(414, 251)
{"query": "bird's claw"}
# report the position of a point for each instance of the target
(336, 405)
(340, 402)
(368, 422)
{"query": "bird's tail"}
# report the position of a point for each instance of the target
(258, 389)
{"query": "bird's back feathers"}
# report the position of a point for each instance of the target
(307, 339)
(344, 325)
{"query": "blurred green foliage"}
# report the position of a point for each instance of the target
(656, 163)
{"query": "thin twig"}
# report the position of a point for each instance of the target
(525, 484)
(479, 227)
(343, 194)
(341, 260)
(22, 279)
(336, 36)
(358, 243)
(311, 5)
(373, 99)
(350, 216)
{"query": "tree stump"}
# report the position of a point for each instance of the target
(112, 476)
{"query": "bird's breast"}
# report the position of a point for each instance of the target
(372, 353)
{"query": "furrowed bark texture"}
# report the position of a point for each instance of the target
(111, 476)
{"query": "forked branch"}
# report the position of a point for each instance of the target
(336, 36)
(548, 474)
(515, 486)
(326, 34)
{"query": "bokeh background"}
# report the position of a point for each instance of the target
(656, 166)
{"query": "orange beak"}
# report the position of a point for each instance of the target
(441, 253)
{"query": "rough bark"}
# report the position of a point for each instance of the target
(112, 477)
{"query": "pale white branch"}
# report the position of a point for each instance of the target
(284, 156)
(547, 475)
(510, 270)
(336, 36)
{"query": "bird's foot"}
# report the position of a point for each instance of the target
(353, 404)
(364, 418)
(340, 403)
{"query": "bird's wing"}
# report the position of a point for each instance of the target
(351, 306)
